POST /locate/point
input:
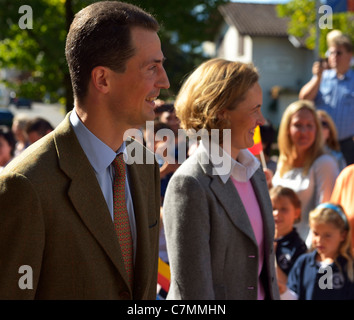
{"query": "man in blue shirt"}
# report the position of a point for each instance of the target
(333, 91)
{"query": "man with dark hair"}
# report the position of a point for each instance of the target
(37, 128)
(76, 221)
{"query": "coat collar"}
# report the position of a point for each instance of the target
(223, 164)
(229, 198)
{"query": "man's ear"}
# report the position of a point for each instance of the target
(99, 77)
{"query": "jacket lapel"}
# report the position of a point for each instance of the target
(138, 187)
(85, 193)
(265, 206)
(230, 200)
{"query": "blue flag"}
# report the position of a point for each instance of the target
(340, 5)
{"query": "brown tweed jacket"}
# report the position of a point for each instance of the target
(54, 218)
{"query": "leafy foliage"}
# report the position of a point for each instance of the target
(39, 52)
(303, 22)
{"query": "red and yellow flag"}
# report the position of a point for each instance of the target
(257, 148)
(164, 275)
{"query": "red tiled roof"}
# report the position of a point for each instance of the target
(255, 19)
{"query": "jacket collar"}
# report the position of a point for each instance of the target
(224, 166)
(230, 200)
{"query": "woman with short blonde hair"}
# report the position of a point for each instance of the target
(215, 86)
(219, 226)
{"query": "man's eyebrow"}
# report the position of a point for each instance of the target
(160, 60)
(155, 61)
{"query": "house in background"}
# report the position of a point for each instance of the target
(254, 33)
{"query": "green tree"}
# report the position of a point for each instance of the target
(303, 22)
(39, 52)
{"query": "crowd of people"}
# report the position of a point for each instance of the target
(92, 227)
(23, 132)
(311, 176)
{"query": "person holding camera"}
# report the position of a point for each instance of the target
(332, 89)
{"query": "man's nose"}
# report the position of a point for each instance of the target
(164, 83)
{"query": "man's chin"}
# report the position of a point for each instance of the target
(150, 116)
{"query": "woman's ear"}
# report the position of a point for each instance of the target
(223, 114)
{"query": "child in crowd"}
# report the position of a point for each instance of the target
(288, 245)
(330, 138)
(327, 272)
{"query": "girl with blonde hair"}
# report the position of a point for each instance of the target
(326, 273)
(330, 138)
(303, 165)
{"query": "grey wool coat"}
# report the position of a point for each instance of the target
(212, 249)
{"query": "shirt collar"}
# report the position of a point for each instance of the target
(241, 169)
(349, 74)
(312, 258)
(332, 74)
(98, 153)
(288, 237)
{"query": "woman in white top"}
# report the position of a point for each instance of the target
(303, 164)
